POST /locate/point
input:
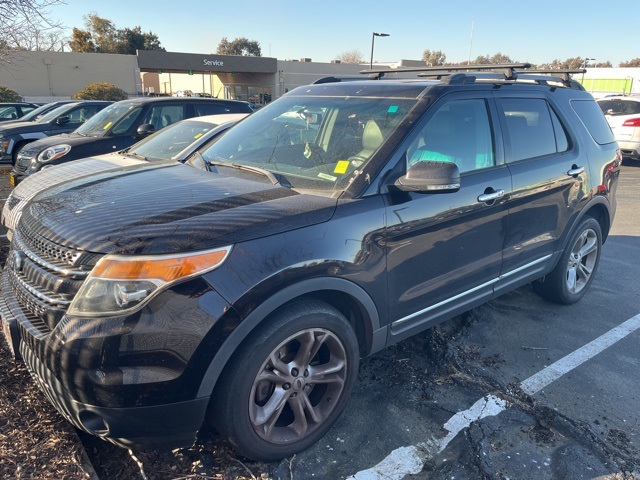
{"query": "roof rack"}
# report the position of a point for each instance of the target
(508, 69)
(504, 72)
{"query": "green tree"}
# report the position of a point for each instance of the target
(434, 57)
(82, 41)
(240, 46)
(631, 63)
(101, 91)
(8, 95)
(102, 36)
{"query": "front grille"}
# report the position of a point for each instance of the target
(43, 278)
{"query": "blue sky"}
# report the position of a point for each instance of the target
(525, 31)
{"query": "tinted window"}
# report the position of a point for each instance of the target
(530, 126)
(592, 118)
(459, 132)
(211, 108)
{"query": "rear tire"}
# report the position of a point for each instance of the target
(288, 382)
(570, 279)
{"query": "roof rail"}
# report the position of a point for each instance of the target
(508, 69)
(343, 78)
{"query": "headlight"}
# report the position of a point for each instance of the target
(119, 283)
(4, 145)
(52, 153)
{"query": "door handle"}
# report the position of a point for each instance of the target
(575, 171)
(490, 197)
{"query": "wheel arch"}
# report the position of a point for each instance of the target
(347, 297)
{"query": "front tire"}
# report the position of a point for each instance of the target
(570, 279)
(288, 383)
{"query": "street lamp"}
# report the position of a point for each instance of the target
(585, 65)
(373, 39)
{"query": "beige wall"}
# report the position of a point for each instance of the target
(51, 75)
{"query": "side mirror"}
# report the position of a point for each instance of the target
(63, 120)
(430, 177)
(145, 129)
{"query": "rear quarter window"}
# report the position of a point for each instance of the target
(592, 118)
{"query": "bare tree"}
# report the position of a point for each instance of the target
(351, 56)
(27, 16)
(631, 63)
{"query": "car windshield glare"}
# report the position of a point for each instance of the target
(316, 143)
(170, 141)
(105, 120)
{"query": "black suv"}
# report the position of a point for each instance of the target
(62, 119)
(244, 286)
(115, 128)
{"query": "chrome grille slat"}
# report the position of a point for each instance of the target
(44, 277)
(48, 259)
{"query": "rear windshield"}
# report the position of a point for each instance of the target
(593, 120)
(619, 107)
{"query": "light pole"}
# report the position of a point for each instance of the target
(373, 39)
(586, 63)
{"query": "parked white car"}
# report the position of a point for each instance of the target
(623, 115)
(175, 142)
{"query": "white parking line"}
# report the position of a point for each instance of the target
(410, 460)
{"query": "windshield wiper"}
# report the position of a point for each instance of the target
(134, 155)
(274, 178)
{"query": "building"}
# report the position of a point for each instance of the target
(47, 76)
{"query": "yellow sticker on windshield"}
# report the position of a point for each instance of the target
(107, 125)
(198, 135)
(341, 166)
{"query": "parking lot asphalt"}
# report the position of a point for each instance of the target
(458, 401)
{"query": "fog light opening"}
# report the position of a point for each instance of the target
(93, 423)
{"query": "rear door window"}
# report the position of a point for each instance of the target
(533, 128)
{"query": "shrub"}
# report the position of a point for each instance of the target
(8, 95)
(101, 91)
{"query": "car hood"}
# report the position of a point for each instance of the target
(167, 207)
(72, 139)
(22, 127)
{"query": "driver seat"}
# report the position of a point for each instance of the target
(371, 139)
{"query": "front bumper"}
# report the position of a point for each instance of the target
(131, 380)
(176, 424)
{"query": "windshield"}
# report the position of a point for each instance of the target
(170, 141)
(34, 114)
(313, 142)
(56, 112)
(118, 116)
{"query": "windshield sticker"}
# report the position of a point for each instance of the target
(341, 167)
(197, 136)
(393, 109)
(327, 177)
(107, 125)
